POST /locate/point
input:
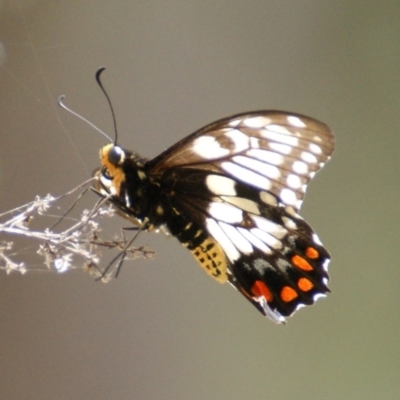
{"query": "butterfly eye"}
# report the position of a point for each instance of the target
(105, 174)
(115, 155)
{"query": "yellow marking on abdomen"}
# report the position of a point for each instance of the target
(212, 259)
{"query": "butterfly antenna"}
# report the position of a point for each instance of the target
(60, 102)
(98, 73)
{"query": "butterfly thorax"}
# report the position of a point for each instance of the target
(124, 175)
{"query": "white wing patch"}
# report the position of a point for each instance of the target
(268, 199)
(237, 239)
(281, 148)
(221, 185)
(239, 140)
(225, 212)
(273, 157)
(308, 157)
(268, 239)
(270, 171)
(288, 197)
(293, 181)
(219, 235)
(269, 157)
(209, 148)
(245, 175)
(256, 122)
(278, 137)
(300, 167)
(296, 121)
(270, 227)
(255, 241)
(245, 204)
(315, 148)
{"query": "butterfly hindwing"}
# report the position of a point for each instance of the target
(267, 247)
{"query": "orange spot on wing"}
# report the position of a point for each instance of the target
(260, 289)
(312, 253)
(288, 294)
(301, 263)
(304, 284)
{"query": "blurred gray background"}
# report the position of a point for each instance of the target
(163, 329)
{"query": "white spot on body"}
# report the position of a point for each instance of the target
(267, 156)
(219, 235)
(221, 185)
(127, 201)
(141, 175)
(296, 121)
(225, 212)
(188, 226)
(242, 244)
(109, 188)
(209, 148)
(245, 175)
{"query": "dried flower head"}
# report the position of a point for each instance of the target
(70, 243)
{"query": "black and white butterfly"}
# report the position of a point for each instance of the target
(230, 193)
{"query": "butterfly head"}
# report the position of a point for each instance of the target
(111, 175)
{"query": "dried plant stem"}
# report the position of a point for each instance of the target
(76, 246)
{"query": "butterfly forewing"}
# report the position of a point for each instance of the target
(271, 150)
(230, 193)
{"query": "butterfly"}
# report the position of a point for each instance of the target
(230, 193)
